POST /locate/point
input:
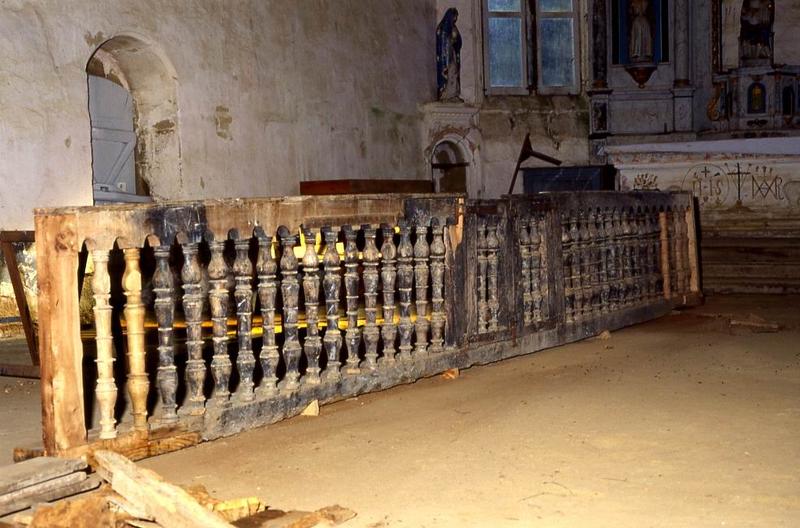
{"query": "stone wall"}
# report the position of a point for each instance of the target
(269, 93)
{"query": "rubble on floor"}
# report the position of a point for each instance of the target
(131, 496)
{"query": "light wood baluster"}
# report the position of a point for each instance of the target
(106, 389)
(138, 383)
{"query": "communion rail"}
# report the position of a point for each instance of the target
(214, 317)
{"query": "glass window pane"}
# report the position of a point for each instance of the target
(555, 6)
(505, 52)
(512, 6)
(557, 51)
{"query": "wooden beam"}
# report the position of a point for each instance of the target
(664, 238)
(168, 504)
(19, 371)
(10, 256)
(17, 236)
(694, 261)
(60, 348)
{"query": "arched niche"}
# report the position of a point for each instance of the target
(453, 165)
(141, 68)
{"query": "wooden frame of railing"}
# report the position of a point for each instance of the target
(385, 289)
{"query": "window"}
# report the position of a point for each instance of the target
(513, 59)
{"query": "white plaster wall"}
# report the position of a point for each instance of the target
(787, 38)
(315, 89)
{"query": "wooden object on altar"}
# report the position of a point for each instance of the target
(311, 188)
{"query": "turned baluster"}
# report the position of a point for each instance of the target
(602, 255)
(312, 347)
(483, 306)
(633, 244)
(371, 257)
(352, 336)
(612, 259)
(493, 294)
(167, 374)
(290, 292)
(655, 255)
(243, 295)
(106, 389)
(682, 252)
(218, 303)
(138, 383)
(567, 256)
(593, 251)
(642, 242)
(331, 284)
(192, 309)
(438, 317)
(524, 255)
(535, 266)
(421, 275)
(575, 272)
(405, 282)
(388, 277)
(267, 269)
(673, 253)
(626, 269)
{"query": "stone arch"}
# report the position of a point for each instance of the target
(140, 66)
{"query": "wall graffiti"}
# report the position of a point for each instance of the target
(709, 183)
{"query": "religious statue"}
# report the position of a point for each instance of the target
(448, 57)
(755, 37)
(640, 43)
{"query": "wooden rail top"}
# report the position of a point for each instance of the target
(129, 225)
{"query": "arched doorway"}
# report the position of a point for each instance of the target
(449, 165)
(133, 110)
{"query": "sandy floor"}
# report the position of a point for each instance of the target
(677, 422)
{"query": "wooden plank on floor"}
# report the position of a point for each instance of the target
(42, 492)
(19, 371)
(35, 471)
(168, 504)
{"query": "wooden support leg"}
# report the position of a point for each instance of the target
(10, 256)
(60, 349)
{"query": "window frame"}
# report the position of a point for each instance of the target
(524, 16)
(573, 88)
(530, 16)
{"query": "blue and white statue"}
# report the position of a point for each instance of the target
(448, 57)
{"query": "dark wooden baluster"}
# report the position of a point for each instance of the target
(331, 284)
(290, 292)
(483, 305)
(525, 269)
(243, 294)
(313, 343)
(388, 278)
(106, 388)
(492, 258)
(612, 259)
(352, 336)
(642, 278)
(193, 311)
(603, 224)
(371, 257)
(218, 302)
(593, 250)
(655, 255)
(535, 267)
(167, 374)
(682, 250)
(566, 259)
(438, 317)
(626, 271)
(576, 271)
(421, 275)
(267, 269)
(405, 283)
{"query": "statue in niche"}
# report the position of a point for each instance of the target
(755, 36)
(448, 57)
(756, 99)
(640, 42)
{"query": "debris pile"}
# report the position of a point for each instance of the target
(131, 496)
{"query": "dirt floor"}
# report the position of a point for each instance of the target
(684, 421)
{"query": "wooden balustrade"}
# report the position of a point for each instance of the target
(410, 285)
